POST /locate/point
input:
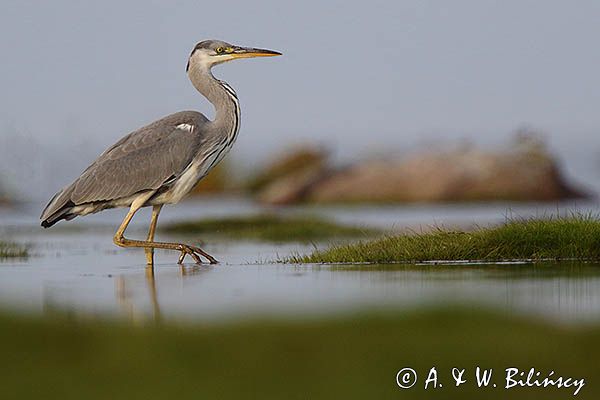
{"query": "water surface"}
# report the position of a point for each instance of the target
(76, 268)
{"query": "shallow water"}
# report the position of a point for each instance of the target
(77, 269)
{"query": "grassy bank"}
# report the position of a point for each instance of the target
(559, 238)
(267, 227)
(8, 249)
(350, 358)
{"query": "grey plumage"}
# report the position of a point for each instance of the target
(161, 162)
(146, 159)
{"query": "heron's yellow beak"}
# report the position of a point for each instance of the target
(249, 52)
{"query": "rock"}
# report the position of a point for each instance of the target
(288, 178)
(291, 188)
(527, 172)
(5, 199)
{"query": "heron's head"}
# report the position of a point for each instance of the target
(212, 52)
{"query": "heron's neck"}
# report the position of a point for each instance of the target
(221, 96)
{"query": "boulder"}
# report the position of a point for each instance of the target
(289, 177)
(525, 172)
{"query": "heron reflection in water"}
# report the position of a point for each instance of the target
(126, 288)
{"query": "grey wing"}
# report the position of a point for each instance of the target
(142, 160)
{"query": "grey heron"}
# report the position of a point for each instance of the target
(161, 162)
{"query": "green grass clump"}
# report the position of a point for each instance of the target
(354, 357)
(11, 250)
(270, 228)
(575, 237)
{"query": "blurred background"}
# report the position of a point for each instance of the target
(360, 78)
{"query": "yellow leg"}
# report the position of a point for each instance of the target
(153, 296)
(149, 250)
(185, 249)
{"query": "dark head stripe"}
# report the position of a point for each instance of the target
(198, 46)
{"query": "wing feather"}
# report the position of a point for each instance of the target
(143, 160)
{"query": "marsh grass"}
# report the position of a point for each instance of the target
(8, 250)
(352, 357)
(576, 237)
(271, 228)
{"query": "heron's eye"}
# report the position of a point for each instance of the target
(220, 50)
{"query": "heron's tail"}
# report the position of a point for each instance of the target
(58, 208)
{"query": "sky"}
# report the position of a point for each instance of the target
(355, 76)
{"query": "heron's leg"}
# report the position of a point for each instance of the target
(149, 250)
(122, 241)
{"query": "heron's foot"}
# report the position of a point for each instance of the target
(195, 253)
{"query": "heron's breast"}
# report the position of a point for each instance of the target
(197, 170)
